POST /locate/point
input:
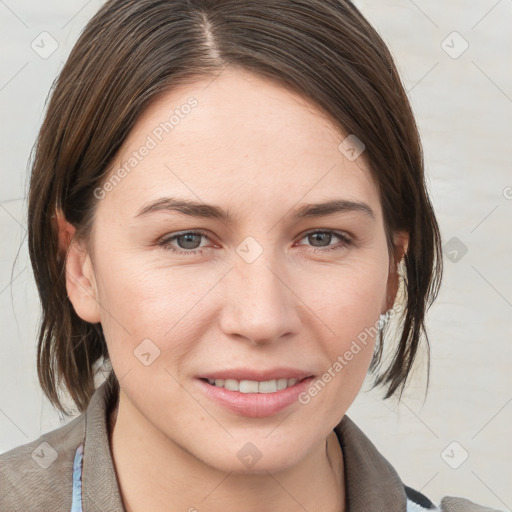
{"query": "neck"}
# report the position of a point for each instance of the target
(156, 474)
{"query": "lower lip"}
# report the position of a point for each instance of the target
(255, 405)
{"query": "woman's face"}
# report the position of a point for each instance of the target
(264, 288)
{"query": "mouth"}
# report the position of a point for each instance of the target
(255, 394)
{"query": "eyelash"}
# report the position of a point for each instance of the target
(165, 243)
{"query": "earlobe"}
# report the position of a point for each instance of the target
(80, 281)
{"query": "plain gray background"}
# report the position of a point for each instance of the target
(455, 61)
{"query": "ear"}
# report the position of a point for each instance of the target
(80, 279)
(401, 242)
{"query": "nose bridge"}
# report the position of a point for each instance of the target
(259, 282)
(259, 306)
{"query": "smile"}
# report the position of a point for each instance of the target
(263, 394)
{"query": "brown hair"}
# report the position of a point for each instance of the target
(132, 51)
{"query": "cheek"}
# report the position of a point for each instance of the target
(151, 309)
(348, 298)
(348, 302)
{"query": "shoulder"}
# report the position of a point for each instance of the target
(39, 475)
(417, 502)
(453, 504)
(373, 481)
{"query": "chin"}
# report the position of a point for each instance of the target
(261, 455)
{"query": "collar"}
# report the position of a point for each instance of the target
(100, 490)
(370, 480)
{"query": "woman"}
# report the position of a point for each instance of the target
(227, 205)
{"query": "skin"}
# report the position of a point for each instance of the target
(257, 150)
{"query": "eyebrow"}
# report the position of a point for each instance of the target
(198, 209)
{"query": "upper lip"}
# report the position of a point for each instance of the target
(257, 375)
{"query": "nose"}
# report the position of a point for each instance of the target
(259, 304)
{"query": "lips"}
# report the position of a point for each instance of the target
(255, 393)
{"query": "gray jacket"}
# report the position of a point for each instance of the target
(38, 476)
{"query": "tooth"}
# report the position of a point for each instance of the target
(252, 386)
(248, 386)
(282, 384)
(268, 386)
(231, 385)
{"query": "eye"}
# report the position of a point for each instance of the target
(322, 238)
(188, 241)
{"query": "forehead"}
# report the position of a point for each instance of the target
(236, 138)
